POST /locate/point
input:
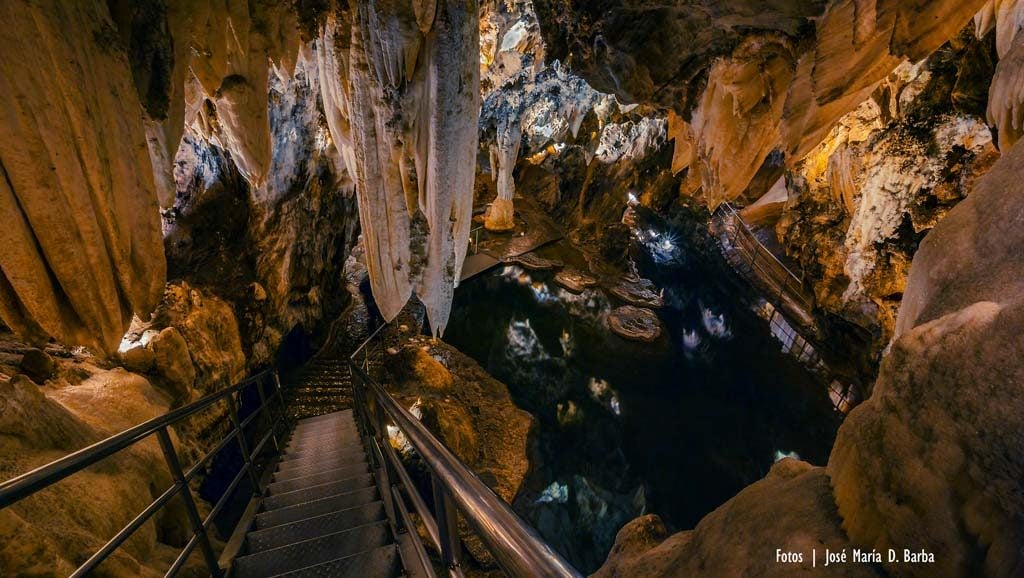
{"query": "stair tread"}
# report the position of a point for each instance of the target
(320, 418)
(284, 534)
(312, 460)
(301, 460)
(290, 483)
(302, 437)
(382, 561)
(325, 441)
(316, 507)
(313, 551)
(316, 492)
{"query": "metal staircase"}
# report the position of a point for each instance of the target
(328, 494)
(323, 385)
(322, 514)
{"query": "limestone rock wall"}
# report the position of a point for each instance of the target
(947, 406)
(81, 236)
(150, 72)
(83, 401)
(888, 172)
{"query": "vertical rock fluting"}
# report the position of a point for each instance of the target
(232, 45)
(412, 103)
(81, 236)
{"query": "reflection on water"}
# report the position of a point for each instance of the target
(675, 428)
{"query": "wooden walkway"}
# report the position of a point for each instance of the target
(534, 229)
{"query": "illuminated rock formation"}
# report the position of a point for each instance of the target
(413, 103)
(81, 234)
(945, 417)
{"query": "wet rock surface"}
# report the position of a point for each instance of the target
(575, 280)
(534, 262)
(639, 293)
(635, 324)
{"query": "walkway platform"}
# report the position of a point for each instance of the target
(534, 229)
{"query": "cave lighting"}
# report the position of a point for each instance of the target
(781, 455)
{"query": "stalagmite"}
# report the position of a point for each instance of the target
(504, 153)
(81, 238)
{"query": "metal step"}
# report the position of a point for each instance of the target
(277, 536)
(382, 561)
(325, 417)
(335, 418)
(316, 508)
(304, 458)
(309, 467)
(313, 551)
(321, 437)
(316, 399)
(311, 493)
(324, 427)
(321, 442)
(335, 459)
(297, 482)
(310, 410)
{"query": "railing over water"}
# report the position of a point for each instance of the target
(455, 489)
(268, 388)
(761, 262)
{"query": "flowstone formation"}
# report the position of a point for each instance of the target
(81, 231)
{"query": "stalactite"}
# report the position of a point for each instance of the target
(1006, 95)
(402, 100)
(737, 123)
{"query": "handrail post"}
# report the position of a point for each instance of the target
(265, 406)
(447, 517)
(198, 529)
(243, 444)
(280, 397)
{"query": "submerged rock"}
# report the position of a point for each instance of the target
(635, 324)
(639, 294)
(534, 262)
(574, 280)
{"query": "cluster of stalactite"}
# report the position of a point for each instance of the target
(101, 93)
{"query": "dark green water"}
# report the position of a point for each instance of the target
(675, 428)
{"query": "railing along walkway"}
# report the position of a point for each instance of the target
(456, 490)
(268, 388)
(745, 251)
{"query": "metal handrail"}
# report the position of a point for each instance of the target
(736, 228)
(20, 487)
(517, 547)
